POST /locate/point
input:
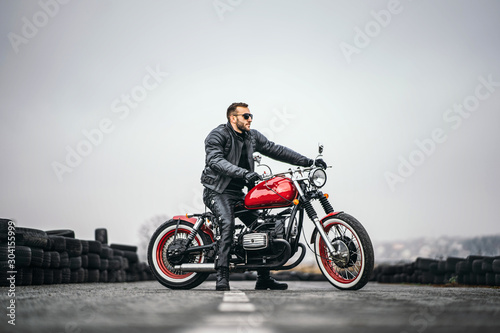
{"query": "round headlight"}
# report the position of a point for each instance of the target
(318, 177)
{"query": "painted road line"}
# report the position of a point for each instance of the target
(236, 301)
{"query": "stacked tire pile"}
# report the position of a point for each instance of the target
(473, 271)
(56, 256)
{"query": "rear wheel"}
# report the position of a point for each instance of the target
(162, 265)
(351, 267)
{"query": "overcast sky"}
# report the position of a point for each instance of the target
(105, 106)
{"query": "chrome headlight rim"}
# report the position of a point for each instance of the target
(318, 178)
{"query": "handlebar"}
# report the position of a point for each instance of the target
(291, 172)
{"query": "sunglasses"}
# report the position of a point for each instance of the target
(245, 115)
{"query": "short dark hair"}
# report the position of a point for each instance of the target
(232, 108)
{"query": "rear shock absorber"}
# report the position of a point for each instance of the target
(326, 204)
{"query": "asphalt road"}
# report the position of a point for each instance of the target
(305, 307)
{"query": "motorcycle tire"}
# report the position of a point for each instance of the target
(164, 271)
(353, 267)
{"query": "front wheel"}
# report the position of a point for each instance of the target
(351, 266)
(162, 265)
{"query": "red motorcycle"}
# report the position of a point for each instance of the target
(181, 252)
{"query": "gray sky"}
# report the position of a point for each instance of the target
(404, 95)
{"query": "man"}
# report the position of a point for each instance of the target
(229, 167)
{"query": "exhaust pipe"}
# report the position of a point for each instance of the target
(204, 268)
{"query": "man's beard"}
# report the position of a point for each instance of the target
(241, 126)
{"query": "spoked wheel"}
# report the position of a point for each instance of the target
(351, 266)
(162, 264)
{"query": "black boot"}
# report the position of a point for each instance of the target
(265, 281)
(222, 279)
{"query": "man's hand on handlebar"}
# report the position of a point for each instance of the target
(320, 163)
(251, 177)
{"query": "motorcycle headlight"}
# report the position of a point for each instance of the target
(318, 177)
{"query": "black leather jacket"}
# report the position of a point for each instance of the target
(223, 149)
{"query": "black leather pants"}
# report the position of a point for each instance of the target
(223, 206)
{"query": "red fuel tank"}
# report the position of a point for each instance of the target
(273, 193)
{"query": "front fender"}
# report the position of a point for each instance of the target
(193, 220)
(315, 232)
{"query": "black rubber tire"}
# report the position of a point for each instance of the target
(104, 264)
(427, 277)
(85, 260)
(36, 259)
(57, 275)
(74, 247)
(21, 255)
(66, 275)
(495, 266)
(118, 253)
(125, 263)
(132, 257)
(47, 259)
(55, 259)
(58, 243)
(85, 246)
(4, 225)
(111, 276)
(77, 275)
(31, 237)
(64, 260)
(365, 248)
(101, 235)
(463, 267)
(487, 266)
(106, 252)
(27, 276)
(441, 267)
(95, 247)
(61, 232)
(38, 276)
(123, 247)
(103, 276)
(424, 263)
(490, 279)
(451, 264)
(94, 261)
(93, 275)
(48, 276)
(165, 230)
(75, 263)
(114, 264)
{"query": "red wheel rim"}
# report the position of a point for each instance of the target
(159, 257)
(333, 270)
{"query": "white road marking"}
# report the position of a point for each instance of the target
(236, 301)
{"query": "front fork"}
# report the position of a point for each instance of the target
(311, 212)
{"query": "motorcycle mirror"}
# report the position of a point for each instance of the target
(320, 148)
(257, 158)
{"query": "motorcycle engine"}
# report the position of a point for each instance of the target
(255, 241)
(272, 227)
